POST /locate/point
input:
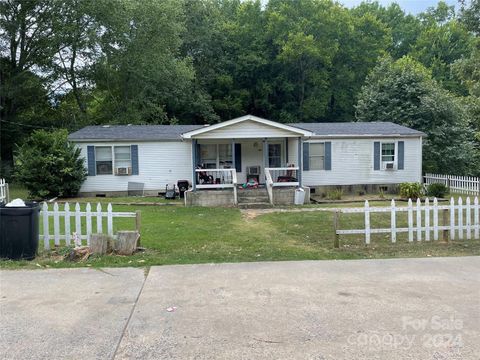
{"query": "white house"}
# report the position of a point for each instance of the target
(281, 156)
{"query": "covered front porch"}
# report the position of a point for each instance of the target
(245, 153)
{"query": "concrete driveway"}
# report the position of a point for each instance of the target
(367, 309)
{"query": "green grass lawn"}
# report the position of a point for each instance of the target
(180, 235)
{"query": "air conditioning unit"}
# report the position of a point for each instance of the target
(123, 171)
(253, 170)
(390, 165)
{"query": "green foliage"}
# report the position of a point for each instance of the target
(402, 91)
(411, 190)
(48, 165)
(335, 194)
(437, 190)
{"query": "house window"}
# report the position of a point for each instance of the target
(388, 152)
(317, 156)
(216, 156)
(224, 156)
(123, 159)
(103, 160)
(274, 155)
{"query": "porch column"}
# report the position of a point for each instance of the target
(233, 155)
(265, 154)
(194, 164)
(300, 161)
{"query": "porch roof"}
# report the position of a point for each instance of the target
(247, 126)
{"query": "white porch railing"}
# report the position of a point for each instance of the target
(284, 176)
(459, 184)
(217, 179)
(3, 191)
(280, 177)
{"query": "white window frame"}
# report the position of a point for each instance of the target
(384, 162)
(217, 155)
(319, 156)
(114, 161)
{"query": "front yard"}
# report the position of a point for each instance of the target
(180, 235)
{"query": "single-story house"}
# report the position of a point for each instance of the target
(283, 157)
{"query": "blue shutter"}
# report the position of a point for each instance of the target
(328, 155)
(376, 155)
(401, 156)
(238, 158)
(91, 160)
(306, 156)
(134, 153)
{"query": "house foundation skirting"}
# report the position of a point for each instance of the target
(359, 189)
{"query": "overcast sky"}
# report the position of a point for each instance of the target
(411, 6)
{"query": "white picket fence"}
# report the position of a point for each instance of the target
(72, 233)
(458, 184)
(457, 220)
(3, 191)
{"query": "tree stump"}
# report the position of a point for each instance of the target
(126, 242)
(99, 243)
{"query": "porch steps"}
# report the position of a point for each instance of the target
(253, 199)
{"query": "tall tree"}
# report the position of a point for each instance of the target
(403, 91)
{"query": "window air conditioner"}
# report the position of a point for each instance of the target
(123, 171)
(389, 165)
(253, 170)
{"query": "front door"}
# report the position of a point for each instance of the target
(274, 155)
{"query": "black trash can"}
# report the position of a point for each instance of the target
(182, 187)
(19, 231)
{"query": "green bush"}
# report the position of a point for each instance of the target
(437, 190)
(48, 165)
(411, 190)
(335, 194)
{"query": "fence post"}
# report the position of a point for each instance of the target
(460, 218)
(435, 219)
(452, 218)
(67, 223)
(88, 220)
(367, 223)
(109, 220)
(56, 224)
(138, 223)
(393, 222)
(46, 236)
(419, 219)
(468, 220)
(427, 219)
(336, 241)
(7, 192)
(78, 225)
(99, 219)
(445, 223)
(476, 215)
(410, 220)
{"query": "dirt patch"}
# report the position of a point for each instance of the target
(250, 214)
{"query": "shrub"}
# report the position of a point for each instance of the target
(410, 190)
(437, 190)
(335, 194)
(48, 165)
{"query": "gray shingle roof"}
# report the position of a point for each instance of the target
(174, 132)
(358, 128)
(132, 132)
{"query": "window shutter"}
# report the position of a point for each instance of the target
(198, 157)
(328, 155)
(134, 154)
(376, 155)
(306, 156)
(401, 156)
(91, 160)
(238, 158)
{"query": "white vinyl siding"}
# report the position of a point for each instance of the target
(352, 163)
(160, 163)
(246, 130)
